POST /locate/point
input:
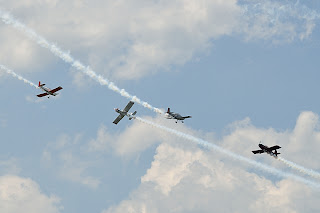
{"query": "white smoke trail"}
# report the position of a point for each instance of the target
(272, 11)
(231, 154)
(65, 56)
(295, 166)
(17, 76)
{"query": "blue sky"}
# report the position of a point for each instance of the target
(244, 75)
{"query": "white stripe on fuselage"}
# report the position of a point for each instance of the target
(47, 90)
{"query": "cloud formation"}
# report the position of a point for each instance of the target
(183, 178)
(198, 182)
(69, 163)
(19, 194)
(127, 40)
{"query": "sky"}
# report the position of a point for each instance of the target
(245, 70)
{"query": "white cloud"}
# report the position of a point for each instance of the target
(183, 178)
(128, 40)
(203, 184)
(297, 144)
(136, 138)
(277, 21)
(69, 162)
(21, 54)
(168, 176)
(19, 194)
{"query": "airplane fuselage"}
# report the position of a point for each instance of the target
(130, 115)
(48, 91)
(266, 149)
(176, 116)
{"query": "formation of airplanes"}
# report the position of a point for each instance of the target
(169, 115)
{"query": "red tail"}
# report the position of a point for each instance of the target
(168, 110)
(40, 85)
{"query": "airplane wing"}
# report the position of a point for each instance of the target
(43, 94)
(128, 107)
(187, 117)
(56, 89)
(116, 121)
(274, 148)
(258, 151)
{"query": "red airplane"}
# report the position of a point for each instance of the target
(48, 91)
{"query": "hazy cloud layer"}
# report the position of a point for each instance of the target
(128, 40)
(198, 182)
(68, 161)
(19, 194)
(183, 178)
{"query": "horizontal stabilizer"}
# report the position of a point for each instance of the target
(258, 151)
(41, 85)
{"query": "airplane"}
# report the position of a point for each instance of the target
(177, 116)
(124, 112)
(48, 91)
(268, 150)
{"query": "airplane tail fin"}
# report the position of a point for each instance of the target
(132, 115)
(168, 110)
(277, 153)
(40, 85)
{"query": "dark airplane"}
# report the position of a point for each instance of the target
(268, 150)
(177, 116)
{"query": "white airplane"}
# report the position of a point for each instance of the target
(177, 116)
(124, 112)
(48, 91)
